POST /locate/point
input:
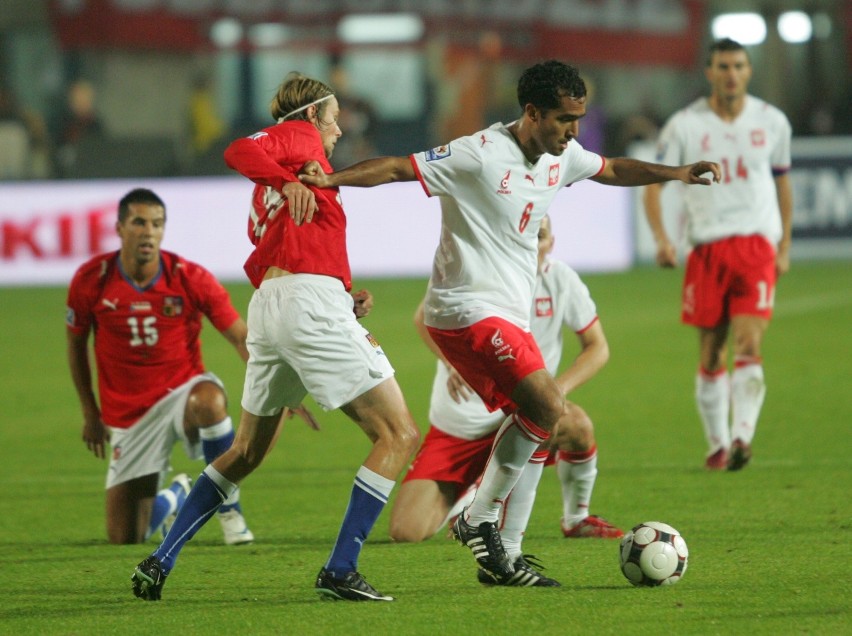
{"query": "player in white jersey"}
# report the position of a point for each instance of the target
(495, 186)
(442, 479)
(740, 235)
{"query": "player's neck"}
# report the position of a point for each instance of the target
(728, 109)
(524, 141)
(140, 273)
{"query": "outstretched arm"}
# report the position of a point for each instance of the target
(364, 174)
(623, 171)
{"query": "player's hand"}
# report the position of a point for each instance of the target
(313, 174)
(459, 390)
(306, 416)
(363, 303)
(301, 201)
(95, 436)
(666, 254)
(695, 170)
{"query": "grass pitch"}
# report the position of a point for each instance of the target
(769, 546)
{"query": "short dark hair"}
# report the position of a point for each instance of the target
(725, 44)
(139, 195)
(545, 84)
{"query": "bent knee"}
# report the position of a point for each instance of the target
(206, 405)
(409, 530)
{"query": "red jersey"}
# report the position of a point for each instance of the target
(146, 340)
(271, 158)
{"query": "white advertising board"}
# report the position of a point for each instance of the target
(48, 228)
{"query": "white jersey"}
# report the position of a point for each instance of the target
(561, 300)
(751, 150)
(492, 203)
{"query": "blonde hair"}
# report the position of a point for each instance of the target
(295, 94)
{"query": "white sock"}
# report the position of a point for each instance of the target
(578, 480)
(461, 503)
(713, 399)
(747, 392)
(518, 507)
(513, 446)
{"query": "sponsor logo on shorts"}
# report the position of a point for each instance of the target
(116, 453)
(502, 350)
(441, 152)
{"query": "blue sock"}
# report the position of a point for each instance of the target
(207, 494)
(369, 496)
(164, 504)
(215, 440)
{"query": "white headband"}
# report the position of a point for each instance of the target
(306, 106)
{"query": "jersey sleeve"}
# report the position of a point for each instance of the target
(209, 295)
(780, 158)
(580, 310)
(439, 169)
(582, 164)
(254, 157)
(79, 302)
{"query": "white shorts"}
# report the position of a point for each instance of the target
(303, 337)
(146, 447)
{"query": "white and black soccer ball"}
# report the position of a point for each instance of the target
(653, 553)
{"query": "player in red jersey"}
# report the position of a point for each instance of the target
(144, 307)
(303, 337)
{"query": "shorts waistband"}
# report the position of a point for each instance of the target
(319, 280)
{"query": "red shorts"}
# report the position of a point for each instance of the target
(726, 278)
(443, 457)
(493, 356)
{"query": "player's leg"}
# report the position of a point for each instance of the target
(420, 509)
(577, 470)
(713, 393)
(166, 505)
(255, 436)
(206, 417)
(382, 414)
(748, 388)
(128, 509)
(541, 405)
(439, 479)
(752, 299)
(513, 523)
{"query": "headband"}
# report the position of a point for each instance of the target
(306, 106)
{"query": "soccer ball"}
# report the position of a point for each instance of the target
(652, 554)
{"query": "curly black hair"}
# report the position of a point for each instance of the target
(545, 84)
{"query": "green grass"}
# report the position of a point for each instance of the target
(769, 545)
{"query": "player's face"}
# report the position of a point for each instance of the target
(326, 123)
(554, 129)
(142, 232)
(545, 240)
(729, 74)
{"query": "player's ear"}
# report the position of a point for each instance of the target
(532, 112)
